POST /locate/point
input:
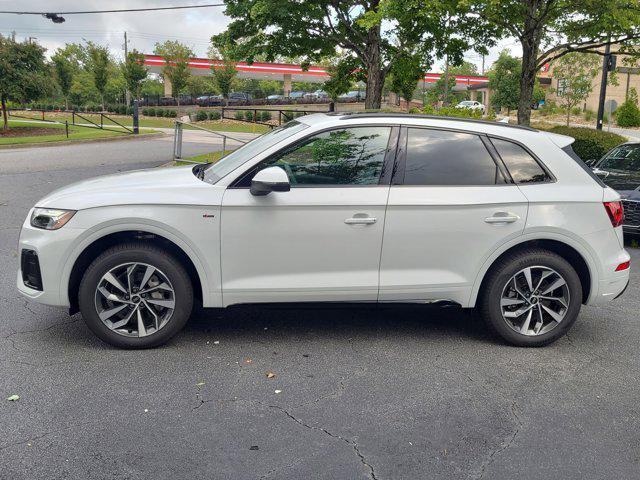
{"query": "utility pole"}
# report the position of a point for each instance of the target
(603, 84)
(126, 52)
(483, 64)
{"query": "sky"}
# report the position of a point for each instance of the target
(192, 27)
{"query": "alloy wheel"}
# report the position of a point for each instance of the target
(135, 299)
(535, 300)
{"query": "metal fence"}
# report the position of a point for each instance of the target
(178, 136)
(99, 123)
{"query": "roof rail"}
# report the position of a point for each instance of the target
(347, 115)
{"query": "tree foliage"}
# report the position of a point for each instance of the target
(342, 75)
(550, 29)
(134, 72)
(99, 65)
(575, 73)
(64, 72)
(628, 114)
(504, 81)
(176, 67)
(405, 72)
(23, 73)
(225, 72)
(321, 29)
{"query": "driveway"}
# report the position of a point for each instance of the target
(403, 393)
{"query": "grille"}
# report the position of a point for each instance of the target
(30, 267)
(631, 213)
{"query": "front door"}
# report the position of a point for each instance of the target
(321, 241)
(450, 206)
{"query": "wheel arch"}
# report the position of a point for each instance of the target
(577, 256)
(95, 246)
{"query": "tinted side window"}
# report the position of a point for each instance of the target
(349, 156)
(437, 157)
(521, 165)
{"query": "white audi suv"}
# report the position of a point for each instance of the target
(365, 207)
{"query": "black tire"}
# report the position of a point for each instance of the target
(143, 253)
(501, 273)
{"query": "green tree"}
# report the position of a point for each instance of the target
(134, 72)
(99, 66)
(23, 73)
(224, 72)
(628, 114)
(406, 70)
(326, 28)
(465, 68)
(199, 85)
(575, 73)
(504, 81)
(550, 29)
(438, 92)
(64, 71)
(342, 74)
(176, 67)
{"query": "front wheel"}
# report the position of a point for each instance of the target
(135, 295)
(531, 298)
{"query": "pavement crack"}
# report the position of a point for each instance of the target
(504, 445)
(351, 443)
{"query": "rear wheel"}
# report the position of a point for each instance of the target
(135, 296)
(531, 298)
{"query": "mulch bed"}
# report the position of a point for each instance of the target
(28, 132)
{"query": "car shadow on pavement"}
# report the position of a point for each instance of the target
(363, 322)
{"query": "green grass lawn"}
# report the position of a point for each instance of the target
(57, 133)
(204, 158)
(151, 122)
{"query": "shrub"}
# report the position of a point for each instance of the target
(214, 115)
(145, 111)
(201, 116)
(170, 113)
(589, 115)
(628, 114)
(160, 112)
(151, 112)
(239, 115)
(266, 116)
(452, 112)
(248, 115)
(590, 144)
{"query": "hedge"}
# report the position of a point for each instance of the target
(201, 116)
(214, 115)
(590, 144)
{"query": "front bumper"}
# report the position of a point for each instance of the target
(52, 248)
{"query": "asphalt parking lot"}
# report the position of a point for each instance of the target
(402, 393)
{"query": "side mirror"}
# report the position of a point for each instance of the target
(271, 179)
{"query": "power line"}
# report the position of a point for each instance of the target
(124, 10)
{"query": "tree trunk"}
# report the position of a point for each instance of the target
(375, 73)
(5, 124)
(530, 47)
(568, 115)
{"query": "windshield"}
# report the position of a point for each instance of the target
(624, 157)
(226, 165)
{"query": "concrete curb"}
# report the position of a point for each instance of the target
(86, 140)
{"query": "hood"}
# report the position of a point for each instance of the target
(168, 186)
(626, 183)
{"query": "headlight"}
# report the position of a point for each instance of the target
(50, 219)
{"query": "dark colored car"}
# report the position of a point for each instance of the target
(620, 170)
(240, 97)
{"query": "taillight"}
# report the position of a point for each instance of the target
(615, 212)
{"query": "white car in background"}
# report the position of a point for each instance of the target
(373, 207)
(472, 104)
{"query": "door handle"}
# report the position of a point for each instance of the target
(502, 217)
(361, 220)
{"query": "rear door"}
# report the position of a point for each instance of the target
(451, 204)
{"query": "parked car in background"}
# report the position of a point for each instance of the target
(352, 96)
(471, 104)
(297, 94)
(206, 100)
(456, 212)
(240, 97)
(275, 98)
(317, 95)
(620, 169)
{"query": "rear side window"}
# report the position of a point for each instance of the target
(436, 157)
(569, 151)
(521, 165)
